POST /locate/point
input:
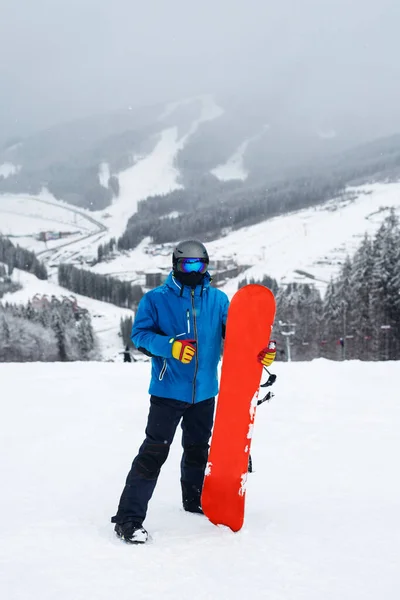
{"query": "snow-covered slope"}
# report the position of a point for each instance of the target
(234, 167)
(7, 169)
(150, 175)
(24, 217)
(315, 240)
(322, 518)
(156, 173)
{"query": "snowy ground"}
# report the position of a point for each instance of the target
(322, 518)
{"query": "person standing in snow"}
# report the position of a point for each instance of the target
(180, 324)
(127, 354)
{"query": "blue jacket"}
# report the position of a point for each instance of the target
(169, 312)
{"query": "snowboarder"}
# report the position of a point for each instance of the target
(180, 324)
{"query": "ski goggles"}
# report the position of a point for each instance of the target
(192, 265)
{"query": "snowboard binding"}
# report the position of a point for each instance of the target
(270, 381)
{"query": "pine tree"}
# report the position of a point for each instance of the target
(330, 323)
(126, 330)
(384, 289)
(59, 331)
(85, 337)
(362, 316)
(344, 309)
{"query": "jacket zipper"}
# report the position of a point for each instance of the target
(162, 372)
(197, 347)
(188, 320)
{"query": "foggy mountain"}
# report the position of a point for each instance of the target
(240, 143)
(251, 96)
(328, 66)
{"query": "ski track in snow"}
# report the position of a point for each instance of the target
(104, 174)
(322, 518)
(151, 175)
(7, 169)
(154, 174)
(234, 168)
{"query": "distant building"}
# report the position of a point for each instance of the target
(40, 301)
(153, 279)
(45, 236)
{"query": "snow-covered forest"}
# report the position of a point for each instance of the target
(359, 315)
(16, 257)
(99, 287)
(52, 331)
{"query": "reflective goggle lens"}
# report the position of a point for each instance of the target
(192, 265)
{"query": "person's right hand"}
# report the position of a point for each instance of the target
(184, 350)
(267, 356)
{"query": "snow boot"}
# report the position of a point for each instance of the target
(193, 507)
(131, 532)
(191, 495)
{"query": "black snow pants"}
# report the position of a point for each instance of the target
(164, 417)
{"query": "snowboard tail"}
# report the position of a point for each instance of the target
(248, 330)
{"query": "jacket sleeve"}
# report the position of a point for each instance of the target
(224, 313)
(225, 306)
(145, 332)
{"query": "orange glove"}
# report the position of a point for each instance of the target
(184, 350)
(267, 356)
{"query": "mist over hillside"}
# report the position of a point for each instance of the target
(289, 85)
(223, 147)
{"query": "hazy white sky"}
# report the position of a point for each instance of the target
(60, 59)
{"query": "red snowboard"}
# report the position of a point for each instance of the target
(248, 330)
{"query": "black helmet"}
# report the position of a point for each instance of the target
(189, 249)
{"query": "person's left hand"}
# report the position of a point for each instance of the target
(267, 356)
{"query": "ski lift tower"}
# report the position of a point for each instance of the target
(287, 329)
